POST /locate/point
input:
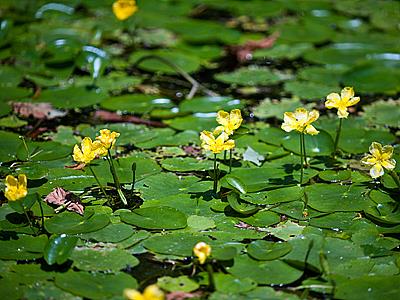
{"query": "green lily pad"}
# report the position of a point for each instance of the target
(264, 250)
(162, 217)
(308, 90)
(227, 283)
(102, 259)
(181, 283)
(181, 164)
(25, 247)
(161, 60)
(316, 145)
(270, 272)
(383, 112)
(136, 103)
(251, 76)
(209, 104)
(333, 197)
(95, 285)
(72, 97)
(179, 244)
(10, 143)
(112, 233)
(59, 248)
(72, 223)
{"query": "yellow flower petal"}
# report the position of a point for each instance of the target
(347, 93)
(123, 9)
(376, 171)
(375, 149)
(342, 112)
(153, 292)
(202, 251)
(222, 118)
(311, 130)
(332, 100)
(353, 101)
(16, 188)
(132, 294)
(389, 164)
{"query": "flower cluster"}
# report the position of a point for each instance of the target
(90, 150)
(218, 140)
(123, 9)
(152, 292)
(16, 188)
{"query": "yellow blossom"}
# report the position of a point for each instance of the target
(152, 292)
(107, 138)
(342, 101)
(380, 158)
(216, 145)
(202, 251)
(87, 152)
(300, 121)
(123, 9)
(16, 189)
(229, 121)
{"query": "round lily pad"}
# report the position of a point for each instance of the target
(250, 76)
(102, 259)
(264, 250)
(95, 285)
(72, 223)
(162, 217)
(182, 283)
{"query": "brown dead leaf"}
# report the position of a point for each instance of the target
(79, 166)
(178, 295)
(41, 110)
(65, 199)
(244, 52)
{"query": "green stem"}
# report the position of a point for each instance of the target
(338, 131)
(395, 177)
(41, 212)
(210, 272)
(215, 174)
(116, 179)
(225, 156)
(27, 217)
(98, 181)
(304, 149)
(28, 154)
(301, 159)
(230, 160)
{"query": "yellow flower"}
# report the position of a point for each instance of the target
(216, 145)
(342, 101)
(300, 121)
(107, 138)
(16, 189)
(229, 121)
(380, 158)
(87, 152)
(202, 251)
(152, 292)
(123, 9)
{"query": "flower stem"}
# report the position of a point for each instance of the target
(395, 177)
(210, 276)
(41, 212)
(301, 159)
(27, 217)
(98, 181)
(230, 161)
(338, 131)
(116, 179)
(28, 154)
(215, 174)
(304, 149)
